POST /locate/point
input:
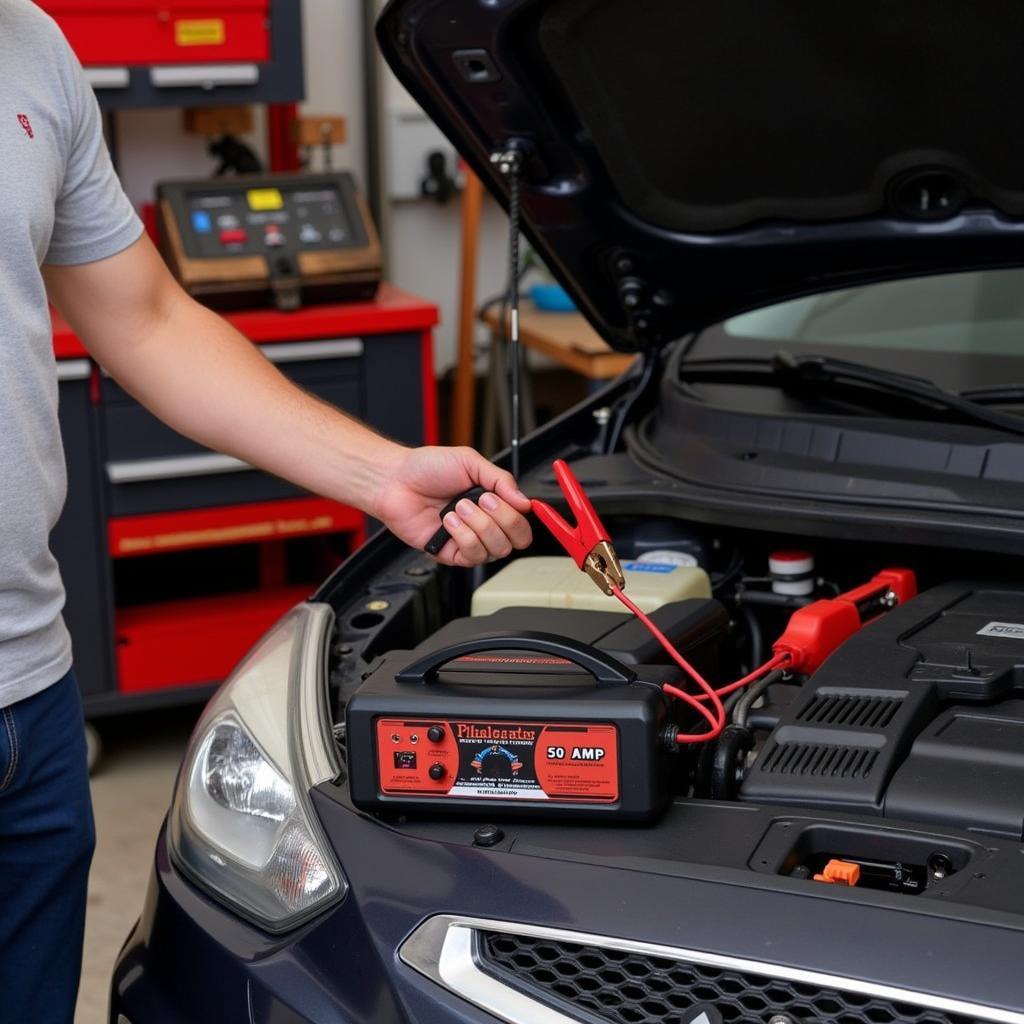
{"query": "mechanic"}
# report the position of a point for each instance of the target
(69, 231)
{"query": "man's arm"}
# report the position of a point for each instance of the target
(198, 374)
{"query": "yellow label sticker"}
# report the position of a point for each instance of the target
(200, 32)
(265, 199)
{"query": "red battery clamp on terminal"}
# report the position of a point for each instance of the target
(817, 629)
(813, 632)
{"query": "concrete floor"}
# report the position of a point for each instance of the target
(131, 791)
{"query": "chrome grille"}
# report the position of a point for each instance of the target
(592, 983)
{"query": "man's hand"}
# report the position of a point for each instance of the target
(421, 481)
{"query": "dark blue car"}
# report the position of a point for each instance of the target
(808, 221)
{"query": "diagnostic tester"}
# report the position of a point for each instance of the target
(282, 240)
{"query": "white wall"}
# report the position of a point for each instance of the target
(423, 238)
(153, 146)
(332, 30)
(425, 258)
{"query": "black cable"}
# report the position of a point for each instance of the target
(764, 718)
(751, 693)
(651, 363)
(770, 598)
(731, 701)
(732, 572)
(756, 637)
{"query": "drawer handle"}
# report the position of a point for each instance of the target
(108, 78)
(203, 76)
(135, 471)
(73, 369)
(306, 351)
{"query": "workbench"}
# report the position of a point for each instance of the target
(176, 559)
(564, 338)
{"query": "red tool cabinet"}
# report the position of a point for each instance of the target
(134, 32)
(153, 53)
(177, 559)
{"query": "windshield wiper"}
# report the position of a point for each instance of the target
(998, 394)
(805, 374)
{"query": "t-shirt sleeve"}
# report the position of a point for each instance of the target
(93, 219)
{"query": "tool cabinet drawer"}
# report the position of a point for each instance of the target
(331, 369)
(132, 432)
(152, 468)
(200, 479)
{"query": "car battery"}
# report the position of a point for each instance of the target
(555, 582)
(512, 724)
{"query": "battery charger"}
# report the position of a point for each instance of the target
(530, 722)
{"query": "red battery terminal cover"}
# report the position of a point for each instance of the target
(817, 629)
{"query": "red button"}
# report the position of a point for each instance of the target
(233, 236)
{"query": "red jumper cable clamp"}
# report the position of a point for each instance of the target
(587, 543)
(591, 549)
(817, 629)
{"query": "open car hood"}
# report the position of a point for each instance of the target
(685, 160)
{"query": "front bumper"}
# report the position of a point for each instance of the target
(369, 958)
(188, 961)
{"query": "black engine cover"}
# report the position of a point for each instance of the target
(913, 717)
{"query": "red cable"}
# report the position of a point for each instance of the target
(769, 666)
(717, 719)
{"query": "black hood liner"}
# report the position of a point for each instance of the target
(690, 159)
(717, 114)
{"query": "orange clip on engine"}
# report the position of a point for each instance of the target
(840, 872)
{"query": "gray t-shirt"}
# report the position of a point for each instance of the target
(61, 204)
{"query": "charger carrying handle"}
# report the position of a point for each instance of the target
(605, 669)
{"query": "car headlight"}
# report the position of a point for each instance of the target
(241, 824)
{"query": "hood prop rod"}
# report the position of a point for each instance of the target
(509, 162)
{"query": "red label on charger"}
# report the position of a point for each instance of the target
(498, 760)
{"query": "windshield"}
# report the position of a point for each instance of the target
(981, 312)
(961, 330)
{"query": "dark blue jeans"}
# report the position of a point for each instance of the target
(46, 844)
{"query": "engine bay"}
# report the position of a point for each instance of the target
(894, 765)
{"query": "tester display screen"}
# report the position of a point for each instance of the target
(234, 220)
